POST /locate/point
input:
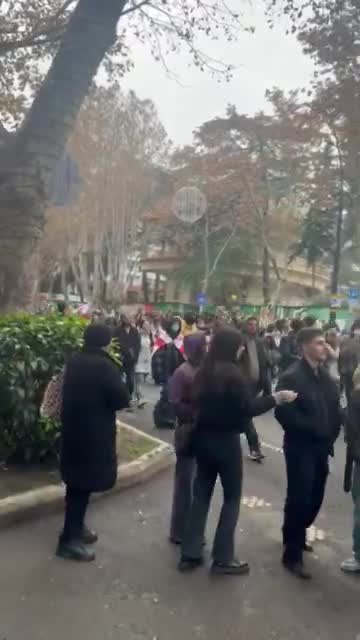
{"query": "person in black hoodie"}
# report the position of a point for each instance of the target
(311, 425)
(93, 392)
(129, 342)
(223, 407)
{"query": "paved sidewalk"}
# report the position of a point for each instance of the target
(134, 592)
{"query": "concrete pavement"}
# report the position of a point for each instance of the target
(134, 592)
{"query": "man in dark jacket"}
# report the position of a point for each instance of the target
(311, 426)
(256, 370)
(129, 342)
(92, 394)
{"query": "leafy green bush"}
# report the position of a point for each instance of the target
(32, 350)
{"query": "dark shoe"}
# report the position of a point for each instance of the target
(308, 548)
(234, 568)
(187, 565)
(257, 456)
(298, 570)
(74, 550)
(89, 536)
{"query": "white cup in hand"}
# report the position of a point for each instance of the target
(285, 396)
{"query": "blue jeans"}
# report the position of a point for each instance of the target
(356, 499)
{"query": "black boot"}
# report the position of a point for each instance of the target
(293, 562)
(74, 550)
(297, 569)
(187, 565)
(89, 536)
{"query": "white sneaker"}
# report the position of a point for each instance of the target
(351, 565)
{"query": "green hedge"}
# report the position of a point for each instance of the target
(32, 350)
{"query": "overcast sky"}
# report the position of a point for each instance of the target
(266, 59)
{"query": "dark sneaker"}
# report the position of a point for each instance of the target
(89, 536)
(234, 568)
(298, 570)
(187, 565)
(74, 550)
(308, 548)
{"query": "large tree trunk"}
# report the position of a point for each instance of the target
(28, 161)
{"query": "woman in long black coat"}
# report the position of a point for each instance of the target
(93, 392)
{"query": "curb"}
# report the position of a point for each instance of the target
(37, 502)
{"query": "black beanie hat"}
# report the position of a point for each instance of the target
(97, 336)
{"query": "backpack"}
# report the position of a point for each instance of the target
(53, 397)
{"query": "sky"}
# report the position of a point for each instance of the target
(263, 60)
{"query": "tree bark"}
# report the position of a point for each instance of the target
(28, 161)
(266, 286)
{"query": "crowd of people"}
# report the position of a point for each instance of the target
(216, 377)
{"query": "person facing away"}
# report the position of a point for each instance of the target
(129, 342)
(349, 358)
(311, 425)
(352, 564)
(222, 407)
(289, 351)
(92, 394)
(180, 393)
(256, 371)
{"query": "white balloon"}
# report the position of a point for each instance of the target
(189, 204)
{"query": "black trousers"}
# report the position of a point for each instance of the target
(182, 497)
(76, 504)
(216, 455)
(307, 471)
(252, 437)
(129, 372)
(251, 433)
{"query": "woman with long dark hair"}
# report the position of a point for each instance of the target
(223, 408)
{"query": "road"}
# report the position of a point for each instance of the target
(134, 592)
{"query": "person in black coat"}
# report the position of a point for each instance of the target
(311, 425)
(92, 394)
(169, 358)
(129, 342)
(222, 408)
